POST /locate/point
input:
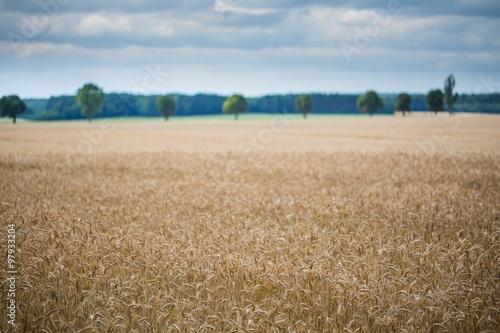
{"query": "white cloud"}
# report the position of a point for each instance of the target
(96, 24)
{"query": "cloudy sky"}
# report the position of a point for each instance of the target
(254, 47)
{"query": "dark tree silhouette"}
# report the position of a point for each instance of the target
(450, 98)
(90, 98)
(166, 106)
(403, 103)
(435, 100)
(12, 106)
(369, 102)
(235, 104)
(304, 104)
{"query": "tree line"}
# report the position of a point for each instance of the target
(122, 105)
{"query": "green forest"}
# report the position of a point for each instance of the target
(124, 105)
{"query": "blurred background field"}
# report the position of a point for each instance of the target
(428, 134)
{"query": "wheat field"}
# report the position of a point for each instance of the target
(143, 233)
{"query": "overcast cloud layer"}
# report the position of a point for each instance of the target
(255, 47)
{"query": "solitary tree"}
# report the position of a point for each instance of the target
(435, 100)
(451, 99)
(90, 98)
(235, 104)
(304, 104)
(11, 106)
(403, 103)
(370, 102)
(166, 106)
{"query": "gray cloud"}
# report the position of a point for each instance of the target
(280, 37)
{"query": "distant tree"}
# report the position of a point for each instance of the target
(451, 99)
(370, 102)
(12, 106)
(304, 104)
(435, 100)
(235, 104)
(403, 103)
(90, 98)
(166, 106)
